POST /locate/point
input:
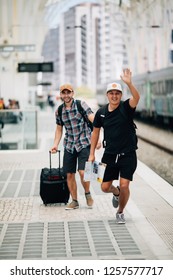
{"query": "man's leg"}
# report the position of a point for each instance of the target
(86, 186)
(71, 182)
(123, 199)
(69, 163)
(109, 188)
(111, 174)
(127, 165)
(124, 194)
(82, 158)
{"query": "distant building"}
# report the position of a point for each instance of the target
(151, 34)
(50, 51)
(88, 53)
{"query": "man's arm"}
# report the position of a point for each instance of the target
(91, 117)
(57, 139)
(94, 141)
(126, 77)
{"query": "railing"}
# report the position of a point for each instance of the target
(18, 129)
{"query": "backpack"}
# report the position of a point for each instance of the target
(81, 111)
(124, 114)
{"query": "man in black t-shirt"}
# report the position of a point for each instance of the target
(119, 142)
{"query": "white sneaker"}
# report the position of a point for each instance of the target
(120, 218)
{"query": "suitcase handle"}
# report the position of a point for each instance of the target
(50, 159)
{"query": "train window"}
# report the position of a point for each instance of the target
(158, 88)
(161, 87)
(171, 56)
(152, 87)
(169, 86)
(171, 89)
(155, 88)
(164, 87)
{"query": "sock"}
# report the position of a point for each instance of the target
(87, 193)
(119, 192)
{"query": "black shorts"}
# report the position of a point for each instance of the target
(70, 160)
(124, 167)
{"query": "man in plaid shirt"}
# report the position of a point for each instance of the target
(76, 142)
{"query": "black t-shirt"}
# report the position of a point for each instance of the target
(119, 133)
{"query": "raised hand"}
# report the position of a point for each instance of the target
(126, 76)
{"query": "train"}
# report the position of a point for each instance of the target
(156, 91)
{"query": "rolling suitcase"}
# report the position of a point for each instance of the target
(53, 184)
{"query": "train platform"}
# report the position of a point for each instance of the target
(31, 230)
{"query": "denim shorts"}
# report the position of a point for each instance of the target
(123, 165)
(74, 160)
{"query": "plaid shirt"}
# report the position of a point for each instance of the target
(77, 134)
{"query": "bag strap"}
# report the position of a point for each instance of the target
(60, 112)
(103, 112)
(82, 111)
(80, 108)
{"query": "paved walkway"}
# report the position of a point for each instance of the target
(29, 230)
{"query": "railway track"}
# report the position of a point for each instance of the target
(155, 149)
(157, 145)
(158, 137)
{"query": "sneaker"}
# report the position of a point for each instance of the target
(72, 205)
(120, 218)
(115, 199)
(89, 200)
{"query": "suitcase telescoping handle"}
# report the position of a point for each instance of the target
(50, 159)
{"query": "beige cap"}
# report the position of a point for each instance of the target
(114, 86)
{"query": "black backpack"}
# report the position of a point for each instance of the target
(81, 111)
